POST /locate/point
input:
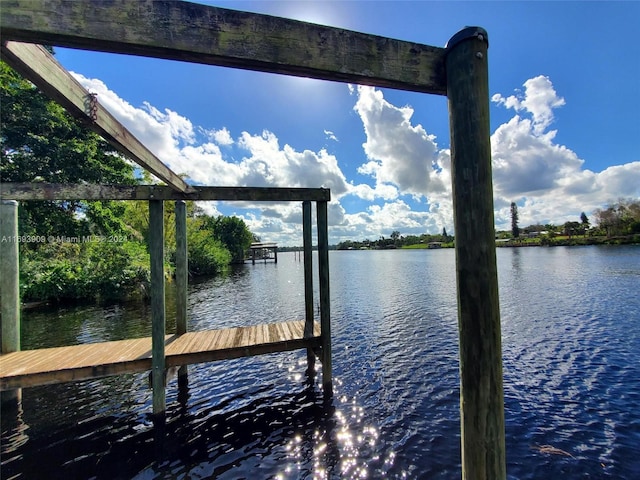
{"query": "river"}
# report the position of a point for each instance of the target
(571, 344)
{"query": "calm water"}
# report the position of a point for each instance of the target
(571, 343)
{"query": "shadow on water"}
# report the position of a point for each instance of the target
(274, 435)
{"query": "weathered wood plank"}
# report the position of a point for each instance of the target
(216, 36)
(61, 191)
(38, 65)
(77, 362)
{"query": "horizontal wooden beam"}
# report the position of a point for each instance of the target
(63, 191)
(204, 34)
(37, 65)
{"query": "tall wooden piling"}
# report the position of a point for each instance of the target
(325, 299)
(9, 276)
(156, 252)
(481, 389)
(10, 290)
(182, 276)
(181, 267)
(308, 278)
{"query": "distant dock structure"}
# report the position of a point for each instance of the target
(264, 251)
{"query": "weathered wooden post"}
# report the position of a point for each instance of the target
(308, 280)
(9, 276)
(156, 252)
(481, 390)
(182, 275)
(181, 267)
(325, 300)
(10, 289)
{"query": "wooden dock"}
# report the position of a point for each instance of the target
(28, 368)
(264, 251)
(275, 45)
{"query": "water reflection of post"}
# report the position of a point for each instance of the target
(516, 262)
(183, 386)
(12, 408)
(331, 452)
(320, 445)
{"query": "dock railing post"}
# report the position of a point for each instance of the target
(9, 276)
(481, 387)
(325, 300)
(308, 280)
(156, 252)
(10, 290)
(182, 276)
(181, 267)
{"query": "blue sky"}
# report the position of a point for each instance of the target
(564, 118)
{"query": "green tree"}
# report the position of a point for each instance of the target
(572, 228)
(445, 235)
(40, 141)
(207, 255)
(621, 218)
(515, 230)
(233, 233)
(584, 220)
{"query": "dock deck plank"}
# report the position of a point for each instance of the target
(78, 362)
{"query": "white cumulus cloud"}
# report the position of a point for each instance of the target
(547, 179)
(539, 100)
(399, 153)
(409, 174)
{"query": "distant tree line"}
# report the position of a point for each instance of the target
(620, 219)
(79, 250)
(396, 240)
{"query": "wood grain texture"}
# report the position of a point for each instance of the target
(64, 191)
(9, 277)
(481, 387)
(158, 313)
(325, 297)
(78, 362)
(182, 266)
(204, 34)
